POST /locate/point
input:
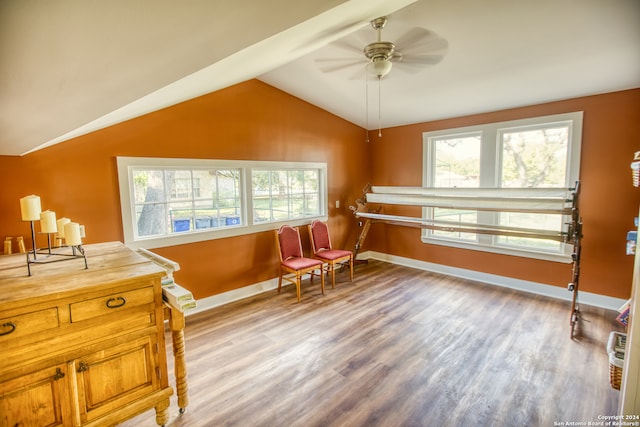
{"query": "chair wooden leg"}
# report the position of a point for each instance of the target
(298, 286)
(332, 266)
(351, 268)
(322, 279)
(280, 282)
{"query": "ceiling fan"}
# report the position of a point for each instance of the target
(412, 52)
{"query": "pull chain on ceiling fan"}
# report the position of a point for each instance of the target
(416, 50)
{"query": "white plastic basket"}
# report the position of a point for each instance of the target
(615, 349)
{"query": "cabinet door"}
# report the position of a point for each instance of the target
(39, 399)
(115, 377)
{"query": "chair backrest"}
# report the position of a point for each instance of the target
(319, 236)
(289, 243)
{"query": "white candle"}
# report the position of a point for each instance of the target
(30, 208)
(83, 232)
(48, 222)
(72, 234)
(61, 223)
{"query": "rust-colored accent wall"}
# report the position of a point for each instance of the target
(608, 201)
(249, 121)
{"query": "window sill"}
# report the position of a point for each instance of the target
(213, 234)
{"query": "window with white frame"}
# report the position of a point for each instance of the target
(541, 152)
(174, 201)
(282, 194)
(171, 200)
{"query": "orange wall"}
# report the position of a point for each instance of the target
(253, 121)
(608, 201)
(249, 121)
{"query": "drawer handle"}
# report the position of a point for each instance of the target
(83, 367)
(116, 302)
(10, 325)
(59, 374)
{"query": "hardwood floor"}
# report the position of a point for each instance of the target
(395, 347)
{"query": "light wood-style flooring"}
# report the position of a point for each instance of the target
(395, 347)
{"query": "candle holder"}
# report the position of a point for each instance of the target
(31, 210)
(50, 256)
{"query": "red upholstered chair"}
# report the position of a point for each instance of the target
(322, 250)
(292, 260)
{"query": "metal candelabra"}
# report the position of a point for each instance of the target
(77, 251)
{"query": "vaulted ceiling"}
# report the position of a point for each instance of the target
(69, 67)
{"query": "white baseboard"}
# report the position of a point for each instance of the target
(586, 298)
(213, 301)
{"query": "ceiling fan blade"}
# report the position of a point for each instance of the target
(414, 36)
(418, 49)
(428, 47)
(422, 59)
(409, 68)
(348, 46)
(337, 64)
(421, 40)
(354, 52)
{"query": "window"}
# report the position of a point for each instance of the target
(456, 164)
(173, 201)
(541, 152)
(284, 194)
(176, 200)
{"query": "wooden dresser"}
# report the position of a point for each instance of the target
(82, 347)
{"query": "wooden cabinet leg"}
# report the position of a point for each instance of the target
(162, 412)
(177, 324)
(180, 369)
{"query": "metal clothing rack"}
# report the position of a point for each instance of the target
(563, 201)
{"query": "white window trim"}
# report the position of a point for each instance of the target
(490, 158)
(126, 164)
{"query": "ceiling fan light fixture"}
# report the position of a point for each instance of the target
(379, 67)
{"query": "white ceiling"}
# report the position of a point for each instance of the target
(69, 67)
(502, 54)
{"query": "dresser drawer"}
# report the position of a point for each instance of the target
(111, 304)
(28, 323)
